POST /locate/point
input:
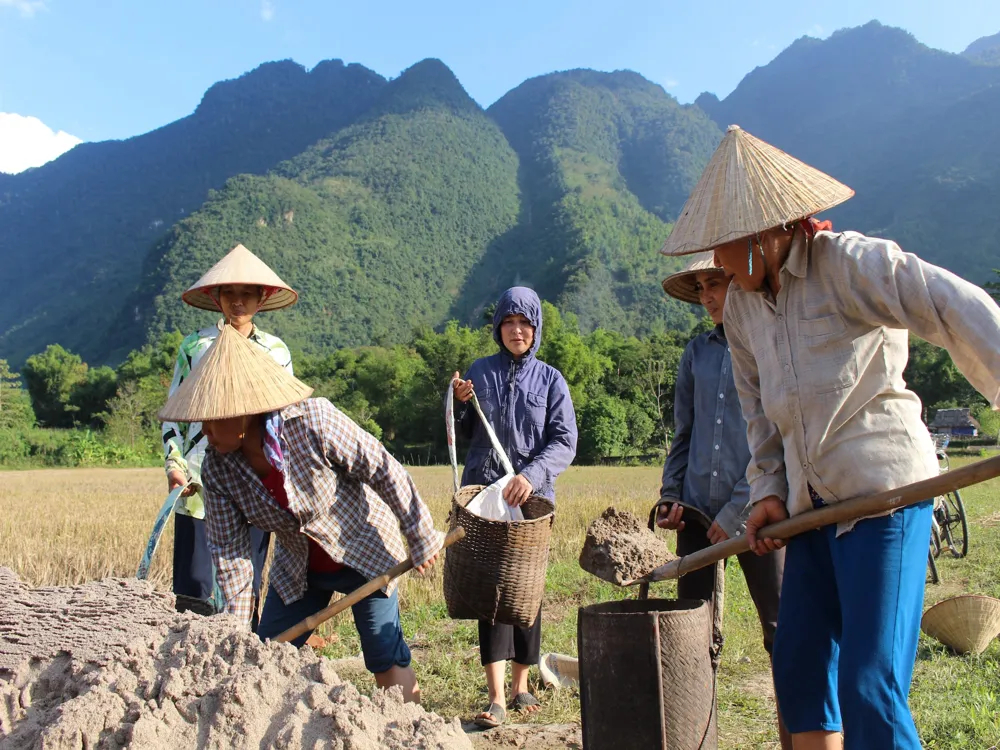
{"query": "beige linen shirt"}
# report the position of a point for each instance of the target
(819, 369)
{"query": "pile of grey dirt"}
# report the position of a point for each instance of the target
(620, 548)
(110, 664)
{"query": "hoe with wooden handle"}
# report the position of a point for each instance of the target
(314, 621)
(848, 510)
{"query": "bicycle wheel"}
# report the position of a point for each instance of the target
(932, 570)
(956, 526)
(935, 537)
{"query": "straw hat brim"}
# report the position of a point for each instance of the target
(203, 298)
(748, 187)
(240, 266)
(234, 378)
(683, 285)
(965, 623)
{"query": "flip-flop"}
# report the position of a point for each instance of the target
(497, 714)
(523, 701)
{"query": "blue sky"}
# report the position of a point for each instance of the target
(100, 69)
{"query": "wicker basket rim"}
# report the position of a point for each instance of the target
(478, 488)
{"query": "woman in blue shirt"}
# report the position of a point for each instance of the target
(707, 463)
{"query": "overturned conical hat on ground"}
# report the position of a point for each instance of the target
(965, 624)
(559, 670)
(235, 377)
(240, 266)
(747, 187)
(683, 284)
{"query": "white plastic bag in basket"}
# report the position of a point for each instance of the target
(489, 503)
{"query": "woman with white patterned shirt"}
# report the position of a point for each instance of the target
(818, 327)
(239, 286)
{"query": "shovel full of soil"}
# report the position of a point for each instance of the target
(620, 548)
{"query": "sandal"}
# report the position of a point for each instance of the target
(523, 702)
(495, 715)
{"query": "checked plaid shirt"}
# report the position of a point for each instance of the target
(344, 490)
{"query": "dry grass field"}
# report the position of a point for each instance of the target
(69, 526)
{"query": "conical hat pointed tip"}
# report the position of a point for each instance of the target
(240, 248)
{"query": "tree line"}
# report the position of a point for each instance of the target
(60, 411)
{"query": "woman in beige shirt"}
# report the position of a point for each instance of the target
(818, 328)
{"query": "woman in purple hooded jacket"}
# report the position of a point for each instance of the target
(529, 407)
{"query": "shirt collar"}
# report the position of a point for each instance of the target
(292, 412)
(718, 334)
(797, 262)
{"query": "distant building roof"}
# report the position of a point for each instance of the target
(954, 418)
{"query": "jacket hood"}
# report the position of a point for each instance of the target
(523, 301)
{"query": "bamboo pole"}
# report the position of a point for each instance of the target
(847, 510)
(314, 621)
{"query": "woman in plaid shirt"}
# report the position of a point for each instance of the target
(331, 494)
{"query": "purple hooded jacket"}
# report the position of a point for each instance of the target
(528, 405)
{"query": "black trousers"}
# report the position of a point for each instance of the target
(762, 574)
(193, 559)
(505, 642)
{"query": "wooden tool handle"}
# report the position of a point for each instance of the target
(314, 621)
(848, 510)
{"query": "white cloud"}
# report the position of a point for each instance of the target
(29, 142)
(27, 8)
(266, 10)
(671, 83)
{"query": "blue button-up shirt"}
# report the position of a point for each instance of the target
(707, 463)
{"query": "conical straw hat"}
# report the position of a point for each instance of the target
(559, 671)
(234, 378)
(682, 285)
(747, 187)
(240, 266)
(964, 623)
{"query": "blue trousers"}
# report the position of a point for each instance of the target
(376, 617)
(848, 625)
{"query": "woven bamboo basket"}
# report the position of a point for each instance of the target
(647, 678)
(497, 572)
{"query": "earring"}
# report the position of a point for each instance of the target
(750, 253)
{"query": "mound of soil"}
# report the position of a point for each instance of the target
(619, 547)
(110, 664)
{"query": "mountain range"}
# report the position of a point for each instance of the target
(395, 205)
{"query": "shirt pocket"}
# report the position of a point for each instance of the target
(536, 407)
(829, 361)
